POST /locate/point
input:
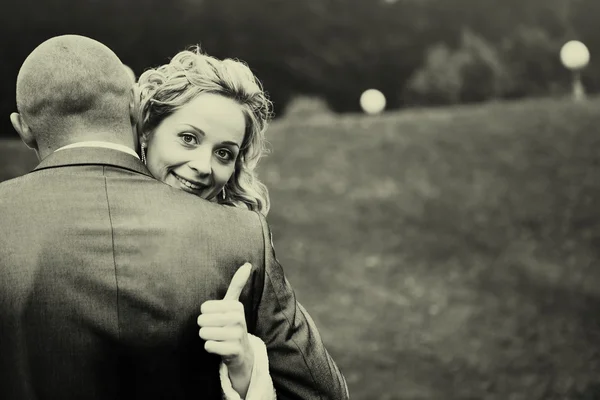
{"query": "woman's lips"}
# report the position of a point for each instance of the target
(189, 184)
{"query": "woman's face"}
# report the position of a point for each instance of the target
(195, 148)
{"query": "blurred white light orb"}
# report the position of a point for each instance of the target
(574, 55)
(372, 101)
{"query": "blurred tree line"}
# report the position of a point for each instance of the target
(417, 52)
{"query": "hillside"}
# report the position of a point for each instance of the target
(445, 254)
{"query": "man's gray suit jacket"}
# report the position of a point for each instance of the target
(102, 273)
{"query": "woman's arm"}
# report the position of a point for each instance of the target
(244, 370)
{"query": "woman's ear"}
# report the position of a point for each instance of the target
(23, 130)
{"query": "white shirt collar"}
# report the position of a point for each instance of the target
(106, 145)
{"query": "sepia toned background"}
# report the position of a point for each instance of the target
(448, 248)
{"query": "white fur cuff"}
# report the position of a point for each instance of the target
(261, 385)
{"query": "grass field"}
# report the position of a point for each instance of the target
(445, 254)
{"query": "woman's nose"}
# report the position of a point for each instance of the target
(201, 162)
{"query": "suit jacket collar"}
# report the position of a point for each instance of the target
(93, 156)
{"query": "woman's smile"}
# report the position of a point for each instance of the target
(191, 185)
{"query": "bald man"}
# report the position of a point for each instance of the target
(103, 269)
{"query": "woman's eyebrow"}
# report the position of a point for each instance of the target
(232, 143)
(195, 128)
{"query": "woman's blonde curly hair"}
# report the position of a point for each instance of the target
(164, 89)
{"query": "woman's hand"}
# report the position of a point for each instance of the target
(223, 326)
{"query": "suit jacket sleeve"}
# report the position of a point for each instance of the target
(300, 366)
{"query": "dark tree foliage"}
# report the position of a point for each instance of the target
(334, 49)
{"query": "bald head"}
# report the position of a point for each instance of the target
(74, 82)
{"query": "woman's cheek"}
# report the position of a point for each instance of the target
(158, 166)
(224, 175)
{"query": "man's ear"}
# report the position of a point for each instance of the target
(134, 104)
(23, 130)
(133, 114)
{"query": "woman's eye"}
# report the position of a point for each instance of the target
(224, 154)
(188, 139)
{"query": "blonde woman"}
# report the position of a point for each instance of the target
(201, 128)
